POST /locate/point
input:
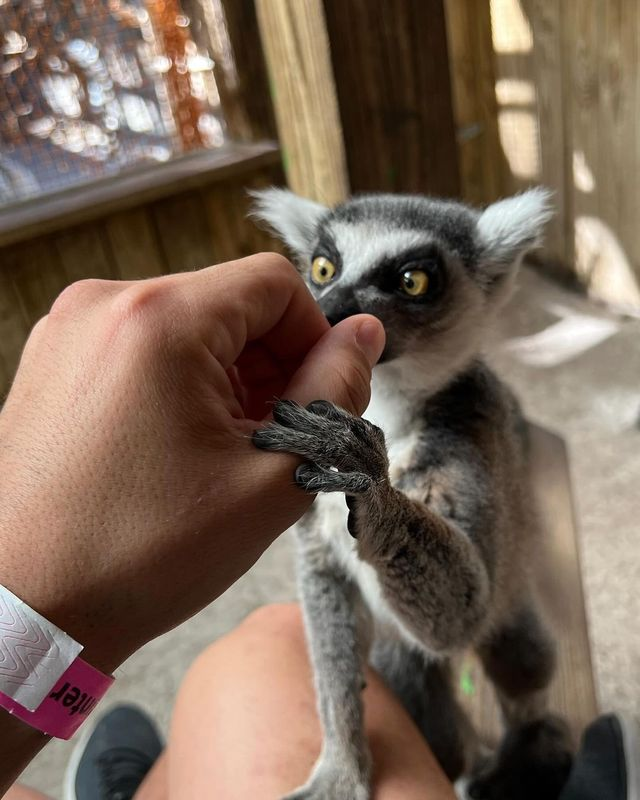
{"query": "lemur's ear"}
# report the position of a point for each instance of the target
(293, 219)
(509, 228)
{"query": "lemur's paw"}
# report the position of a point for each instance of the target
(346, 453)
(534, 762)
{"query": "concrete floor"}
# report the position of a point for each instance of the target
(581, 379)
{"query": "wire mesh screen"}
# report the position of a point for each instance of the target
(91, 87)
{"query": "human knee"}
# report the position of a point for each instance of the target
(267, 624)
(266, 638)
(273, 619)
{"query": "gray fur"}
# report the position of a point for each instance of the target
(337, 647)
(510, 225)
(441, 516)
(292, 218)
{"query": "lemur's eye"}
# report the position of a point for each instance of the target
(322, 270)
(414, 282)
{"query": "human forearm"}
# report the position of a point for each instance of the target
(19, 744)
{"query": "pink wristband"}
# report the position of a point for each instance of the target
(67, 705)
(43, 680)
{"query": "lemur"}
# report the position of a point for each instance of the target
(435, 542)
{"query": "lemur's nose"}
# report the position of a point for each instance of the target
(336, 315)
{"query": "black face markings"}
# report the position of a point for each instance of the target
(388, 275)
(326, 246)
(434, 239)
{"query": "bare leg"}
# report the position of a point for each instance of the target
(17, 792)
(246, 725)
(155, 785)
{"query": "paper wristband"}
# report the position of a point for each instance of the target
(67, 705)
(43, 681)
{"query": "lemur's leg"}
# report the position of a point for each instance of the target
(425, 688)
(534, 759)
(336, 631)
(431, 572)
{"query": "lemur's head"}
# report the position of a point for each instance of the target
(433, 271)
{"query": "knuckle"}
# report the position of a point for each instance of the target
(139, 301)
(274, 266)
(276, 261)
(38, 329)
(79, 295)
(36, 335)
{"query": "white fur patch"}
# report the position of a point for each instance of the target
(510, 227)
(394, 401)
(365, 244)
(294, 219)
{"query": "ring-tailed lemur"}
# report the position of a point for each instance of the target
(440, 515)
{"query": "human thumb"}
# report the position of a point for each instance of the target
(338, 368)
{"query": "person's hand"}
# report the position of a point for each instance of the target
(131, 492)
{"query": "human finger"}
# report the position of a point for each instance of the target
(259, 297)
(339, 367)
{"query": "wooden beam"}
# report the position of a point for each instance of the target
(482, 164)
(296, 47)
(80, 203)
(603, 95)
(134, 244)
(227, 209)
(392, 78)
(183, 231)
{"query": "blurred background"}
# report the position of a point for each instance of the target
(130, 132)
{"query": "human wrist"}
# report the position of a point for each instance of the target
(20, 744)
(30, 570)
(43, 680)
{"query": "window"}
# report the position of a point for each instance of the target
(89, 88)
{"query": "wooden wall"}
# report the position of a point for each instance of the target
(205, 224)
(562, 80)
(392, 79)
(537, 92)
(185, 231)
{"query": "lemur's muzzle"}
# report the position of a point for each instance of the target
(338, 308)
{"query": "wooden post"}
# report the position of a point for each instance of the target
(392, 80)
(482, 162)
(296, 47)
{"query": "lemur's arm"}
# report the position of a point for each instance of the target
(336, 637)
(431, 571)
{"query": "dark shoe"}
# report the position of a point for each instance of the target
(112, 759)
(533, 763)
(607, 766)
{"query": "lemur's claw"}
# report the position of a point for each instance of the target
(345, 453)
(315, 479)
